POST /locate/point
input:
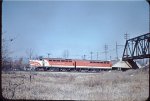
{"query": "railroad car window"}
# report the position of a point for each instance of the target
(62, 60)
(50, 60)
(58, 60)
(54, 60)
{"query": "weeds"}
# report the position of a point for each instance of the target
(77, 86)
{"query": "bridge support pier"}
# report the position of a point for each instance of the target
(132, 63)
(137, 48)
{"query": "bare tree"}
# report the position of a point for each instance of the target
(6, 51)
(29, 53)
(36, 56)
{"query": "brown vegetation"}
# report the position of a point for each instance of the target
(115, 85)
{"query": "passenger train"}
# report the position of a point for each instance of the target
(60, 64)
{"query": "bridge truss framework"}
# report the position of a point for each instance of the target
(137, 48)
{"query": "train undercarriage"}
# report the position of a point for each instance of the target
(63, 69)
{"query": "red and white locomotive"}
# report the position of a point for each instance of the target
(69, 64)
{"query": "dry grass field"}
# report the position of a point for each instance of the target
(132, 85)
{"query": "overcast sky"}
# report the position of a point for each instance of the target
(77, 26)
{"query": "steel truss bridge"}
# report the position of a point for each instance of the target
(137, 48)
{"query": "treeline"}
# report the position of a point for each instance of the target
(10, 64)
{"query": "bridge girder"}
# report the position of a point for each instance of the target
(137, 48)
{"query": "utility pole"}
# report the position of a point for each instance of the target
(91, 54)
(30, 53)
(84, 56)
(126, 36)
(117, 50)
(110, 58)
(67, 53)
(106, 51)
(48, 55)
(97, 55)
